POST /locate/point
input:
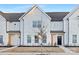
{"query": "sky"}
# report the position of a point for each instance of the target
(45, 7)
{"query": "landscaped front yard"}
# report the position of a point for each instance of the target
(36, 49)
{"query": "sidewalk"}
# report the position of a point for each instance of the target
(61, 50)
(2, 50)
(66, 50)
(35, 49)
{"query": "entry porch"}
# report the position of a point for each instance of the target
(57, 38)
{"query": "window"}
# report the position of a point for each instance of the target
(14, 24)
(37, 24)
(28, 39)
(1, 39)
(74, 38)
(36, 39)
(44, 38)
(34, 24)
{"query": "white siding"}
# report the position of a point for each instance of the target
(57, 26)
(66, 32)
(74, 27)
(13, 26)
(21, 29)
(34, 14)
(3, 29)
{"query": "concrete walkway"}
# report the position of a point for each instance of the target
(66, 50)
(33, 53)
(7, 49)
(37, 53)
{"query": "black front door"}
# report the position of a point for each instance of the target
(59, 40)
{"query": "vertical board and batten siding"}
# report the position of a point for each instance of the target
(74, 28)
(66, 35)
(22, 31)
(3, 29)
(56, 26)
(13, 26)
(34, 15)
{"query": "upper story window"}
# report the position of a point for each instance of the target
(37, 24)
(74, 37)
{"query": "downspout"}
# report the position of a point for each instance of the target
(6, 26)
(6, 32)
(68, 31)
(63, 35)
(20, 32)
(23, 33)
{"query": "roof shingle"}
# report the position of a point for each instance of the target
(12, 16)
(55, 16)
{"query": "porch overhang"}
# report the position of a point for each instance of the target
(57, 32)
(54, 37)
(13, 31)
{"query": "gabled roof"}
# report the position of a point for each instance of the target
(72, 12)
(57, 16)
(34, 6)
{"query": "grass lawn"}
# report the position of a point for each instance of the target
(36, 49)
